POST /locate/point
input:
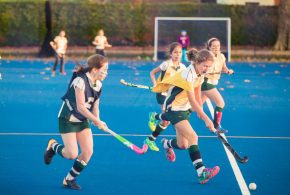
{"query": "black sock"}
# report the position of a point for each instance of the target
(158, 130)
(196, 159)
(57, 148)
(173, 144)
(77, 168)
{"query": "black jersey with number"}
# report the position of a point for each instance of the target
(92, 94)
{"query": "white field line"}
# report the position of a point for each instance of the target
(238, 174)
(142, 135)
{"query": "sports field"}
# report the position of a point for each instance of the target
(257, 116)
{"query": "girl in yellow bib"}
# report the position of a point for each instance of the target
(168, 68)
(208, 89)
(183, 97)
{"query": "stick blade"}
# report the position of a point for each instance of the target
(142, 150)
(244, 160)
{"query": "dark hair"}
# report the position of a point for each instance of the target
(209, 42)
(191, 54)
(199, 56)
(94, 61)
(172, 46)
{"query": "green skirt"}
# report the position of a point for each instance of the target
(65, 126)
(207, 86)
(176, 116)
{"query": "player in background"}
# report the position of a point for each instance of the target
(208, 88)
(59, 44)
(184, 40)
(183, 97)
(80, 104)
(101, 42)
(167, 69)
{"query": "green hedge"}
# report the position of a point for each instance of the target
(125, 23)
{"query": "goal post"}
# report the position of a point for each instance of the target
(199, 30)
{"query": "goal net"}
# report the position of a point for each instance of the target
(199, 30)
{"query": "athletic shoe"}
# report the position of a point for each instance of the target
(71, 184)
(152, 121)
(151, 144)
(49, 153)
(63, 73)
(207, 174)
(170, 154)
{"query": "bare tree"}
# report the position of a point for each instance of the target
(283, 40)
(46, 50)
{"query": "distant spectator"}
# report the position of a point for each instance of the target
(184, 40)
(101, 42)
(59, 44)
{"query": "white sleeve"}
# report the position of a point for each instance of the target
(164, 66)
(182, 67)
(79, 83)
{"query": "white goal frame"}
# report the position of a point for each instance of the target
(228, 26)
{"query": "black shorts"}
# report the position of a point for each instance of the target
(100, 51)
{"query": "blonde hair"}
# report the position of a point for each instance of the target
(99, 31)
(196, 56)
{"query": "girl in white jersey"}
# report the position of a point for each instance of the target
(59, 44)
(208, 89)
(183, 98)
(101, 42)
(167, 69)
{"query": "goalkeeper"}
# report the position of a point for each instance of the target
(184, 40)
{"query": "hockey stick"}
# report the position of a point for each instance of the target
(213, 73)
(135, 85)
(231, 149)
(223, 139)
(128, 143)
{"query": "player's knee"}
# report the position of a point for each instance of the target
(72, 154)
(221, 104)
(183, 146)
(165, 123)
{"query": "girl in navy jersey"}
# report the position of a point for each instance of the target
(80, 104)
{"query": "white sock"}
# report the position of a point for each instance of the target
(69, 177)
(200, 170)
(165, 145)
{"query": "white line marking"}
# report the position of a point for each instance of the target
(142, 135)
(235, 167)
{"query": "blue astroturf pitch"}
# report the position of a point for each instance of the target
(257, 114)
